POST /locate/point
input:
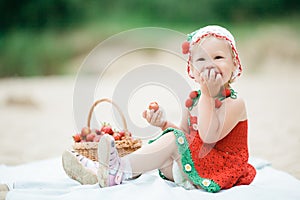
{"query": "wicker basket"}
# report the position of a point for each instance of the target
(124, 146)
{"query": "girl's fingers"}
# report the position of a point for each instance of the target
(154, 117)
(202, 77)
(149, 115)
(212, 74)
(144, 114)
(205, 74)
(151, 119)
(159, 114)
(219, 78)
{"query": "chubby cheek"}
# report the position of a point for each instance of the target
(196, 75)
(226, 77)
(227, 72)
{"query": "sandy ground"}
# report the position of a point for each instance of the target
(37, 118)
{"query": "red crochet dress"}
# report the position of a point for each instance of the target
(226, 162)
(214, 166)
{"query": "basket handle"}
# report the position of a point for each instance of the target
(115, 105)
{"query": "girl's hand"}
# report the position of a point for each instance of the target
(211, 81)
(155, 118)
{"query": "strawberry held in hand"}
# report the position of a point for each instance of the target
(153, 106)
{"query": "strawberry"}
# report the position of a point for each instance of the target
(77, 138)
(193, 94)
(122, 134)
(117, 136)
(98, 132)
(188, 103)
(226, 92)
(153, 106)
(107, 130)
(90, 137)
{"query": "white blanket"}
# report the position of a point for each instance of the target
(46, 180)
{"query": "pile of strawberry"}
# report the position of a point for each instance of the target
(88, 135)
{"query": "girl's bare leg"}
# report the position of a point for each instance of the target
(157, 155)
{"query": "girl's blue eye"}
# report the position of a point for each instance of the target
(219, 57)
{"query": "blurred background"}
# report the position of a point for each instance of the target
(46, 37)
(44, 42)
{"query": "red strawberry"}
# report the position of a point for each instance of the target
(193, 94)
(107, 130)
(188, 103)
(77, 137)
(226, 92)
(153, 106)
(117, 136)
(90, 137)
(98, 132)
(122, 133)
(218, 103)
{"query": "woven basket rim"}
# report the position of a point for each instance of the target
(94, 145)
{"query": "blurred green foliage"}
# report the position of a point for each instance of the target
(38, 36)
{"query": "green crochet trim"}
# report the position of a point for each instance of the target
(191, 35)
(187, 162)
(162, 175)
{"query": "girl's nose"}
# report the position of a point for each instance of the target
(209, 67)
(209, 64)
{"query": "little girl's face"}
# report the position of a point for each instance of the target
(213, 53)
